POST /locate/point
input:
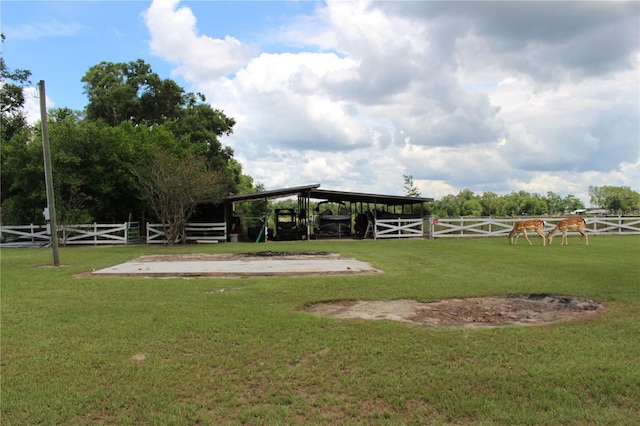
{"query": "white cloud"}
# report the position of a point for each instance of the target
(375, 90)
(49, 28)
(174, 36)
(32, 104)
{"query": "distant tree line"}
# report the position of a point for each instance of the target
(142, 148)
(520, 203)
(617, 200)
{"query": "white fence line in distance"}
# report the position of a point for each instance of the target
(467, 227)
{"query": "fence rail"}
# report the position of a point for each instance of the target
(86, 234)
(97, 234)
(399, 228)
(465, 227)
(198, 232)
(25, 234)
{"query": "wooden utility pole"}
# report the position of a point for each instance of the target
(48, 176)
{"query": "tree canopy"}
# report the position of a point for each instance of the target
(466, 203)
(12, 82)
(131, 91)
(132, 114)
(617, 199)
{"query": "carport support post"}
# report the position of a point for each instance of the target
(48, 176)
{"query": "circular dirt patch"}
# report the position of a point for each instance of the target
(534, 309)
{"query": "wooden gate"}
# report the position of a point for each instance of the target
(97, 234)
(198, 232)
(399, 228)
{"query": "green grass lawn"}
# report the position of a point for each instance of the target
(237, 351)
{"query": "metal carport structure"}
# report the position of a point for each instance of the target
(306, 193)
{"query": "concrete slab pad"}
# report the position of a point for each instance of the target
(223, 266)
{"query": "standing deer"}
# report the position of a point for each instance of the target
(571, 224)
(523, 226)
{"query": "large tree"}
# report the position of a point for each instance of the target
(90, 165)
(21, 186)
(131, 92)
(23, 189)
(12, 83)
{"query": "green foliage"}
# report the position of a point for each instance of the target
(202, 125)
(20, 194)
(132, 114)
(410, 190)
(90, 168)
(125, 350)
(12, 116)
(471, 208)
(617, 199)
(22, 178)
(466, 203)
(131, 91)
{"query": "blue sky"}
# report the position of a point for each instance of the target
(486, 96)
(60, 40)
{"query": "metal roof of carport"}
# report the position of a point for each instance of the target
(359, 197)
(276, 193)
(312, 191)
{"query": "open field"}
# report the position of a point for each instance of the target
(132, 350)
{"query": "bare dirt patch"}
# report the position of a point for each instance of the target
(512, 310)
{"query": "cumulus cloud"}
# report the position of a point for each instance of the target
(490, 96)
(175, 37)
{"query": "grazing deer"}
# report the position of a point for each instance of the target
(571, 224)
(527, 225)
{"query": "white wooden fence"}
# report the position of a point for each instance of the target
(466, 227)
(193, 232)
(25, 234)
(97, 234)
(399, 228)
(87, 234)
(463, 227)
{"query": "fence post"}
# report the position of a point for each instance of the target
(619, 224)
